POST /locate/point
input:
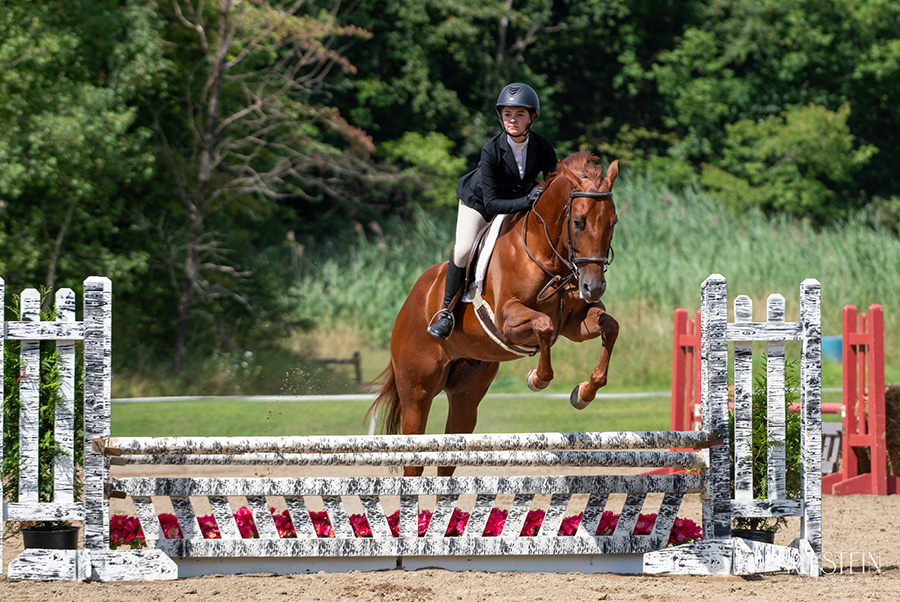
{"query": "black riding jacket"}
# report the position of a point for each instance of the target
(494, 187)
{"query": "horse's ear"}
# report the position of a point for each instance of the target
(567, 173)
(612, 172)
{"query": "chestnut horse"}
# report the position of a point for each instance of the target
(544, 280)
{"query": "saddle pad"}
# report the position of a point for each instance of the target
(484, 258)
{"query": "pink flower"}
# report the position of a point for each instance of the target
(532, 523)
(284, 524)
(209, 527)
(495, 522)
(457, 525)
(245, 523)
(684, 531)
(321, 524)
(424, 521)
(644, 524)
(125, 530)
(170, 526)
(570, 524)
(360, 525)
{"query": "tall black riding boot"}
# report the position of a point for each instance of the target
(442, 322)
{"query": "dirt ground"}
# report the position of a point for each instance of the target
(861, 561)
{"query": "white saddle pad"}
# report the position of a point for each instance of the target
(484, 258)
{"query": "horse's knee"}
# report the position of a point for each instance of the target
(609, 328)
(542, 326)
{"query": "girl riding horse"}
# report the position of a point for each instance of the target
(505, 181)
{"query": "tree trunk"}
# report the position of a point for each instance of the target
(50, 280)
(198, 207)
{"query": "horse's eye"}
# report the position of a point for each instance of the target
(578, 223)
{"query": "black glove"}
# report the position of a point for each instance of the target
(535, 194)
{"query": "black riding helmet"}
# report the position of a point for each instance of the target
(519, 95)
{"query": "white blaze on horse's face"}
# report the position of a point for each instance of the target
(593, 221)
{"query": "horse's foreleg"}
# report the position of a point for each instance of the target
(598, 322)
(521, 326)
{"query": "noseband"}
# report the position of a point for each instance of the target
(573, 263)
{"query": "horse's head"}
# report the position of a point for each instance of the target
(590, 220)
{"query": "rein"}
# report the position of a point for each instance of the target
(573, 263)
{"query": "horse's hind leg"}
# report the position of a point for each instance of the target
(419, 379)
(467, 384)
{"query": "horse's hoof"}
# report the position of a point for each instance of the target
(575, 398)
(534, 383)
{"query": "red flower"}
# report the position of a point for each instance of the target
(284, 524)
(170, 527)
(321, 524)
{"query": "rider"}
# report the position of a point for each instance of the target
(505, 181)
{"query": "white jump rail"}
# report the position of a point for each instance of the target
(568, 494)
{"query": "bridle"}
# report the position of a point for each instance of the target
(573, 263)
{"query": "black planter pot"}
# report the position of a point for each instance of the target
(754, 535)
(61, 539)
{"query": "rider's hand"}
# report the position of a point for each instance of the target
(535, 194)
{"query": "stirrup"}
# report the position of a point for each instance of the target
(437, 326)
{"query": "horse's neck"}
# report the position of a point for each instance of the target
(545, 235)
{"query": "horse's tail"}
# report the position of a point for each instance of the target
(386, 406)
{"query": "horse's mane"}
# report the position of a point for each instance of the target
(583, 164)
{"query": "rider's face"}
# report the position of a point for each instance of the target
(515, 120)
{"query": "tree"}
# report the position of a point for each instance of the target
(241, 135)
(749, 61)
(70, 76)
(789, 163)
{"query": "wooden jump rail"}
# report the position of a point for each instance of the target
(706, 454)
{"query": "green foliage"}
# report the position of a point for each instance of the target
(50, 396)
(360, 282)
(760, 443)
(117, 161)
(71, 75)
(784, 163)
(430, 162)
(809, 87)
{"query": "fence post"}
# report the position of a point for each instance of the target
(811, 415)
(97, 385)
(714, 395)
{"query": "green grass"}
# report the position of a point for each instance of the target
(497, 414)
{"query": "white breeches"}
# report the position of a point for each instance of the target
(468, 223)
